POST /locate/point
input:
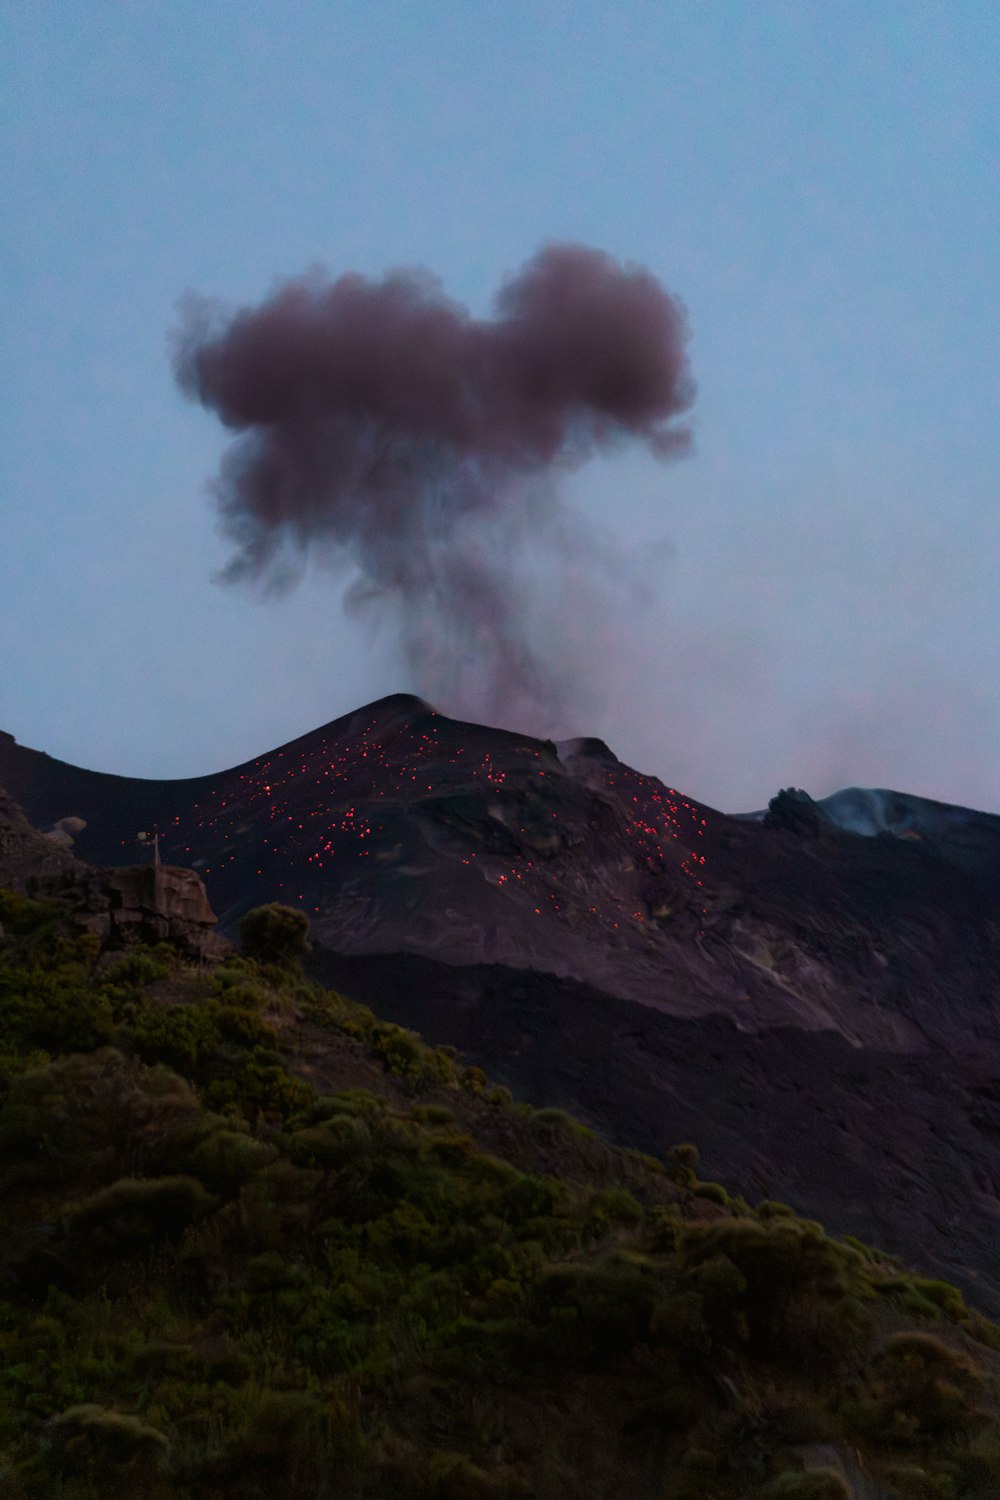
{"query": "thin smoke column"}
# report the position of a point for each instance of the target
(383, 427)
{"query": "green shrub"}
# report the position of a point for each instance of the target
(473, 1080)
(138, 968)
(941, 1294)
(594, 1310)
(53, 1010)
(225, 1159)
(242, 994)
(714, 1192)
(528, 1198)
(402, 1053)
(613, 1205)
(556, 1122)
(913, 1482)
(330, 1144)
(920, 1387)
(354, 1102)
(275, 934)
(181, 1035)
(808, 1484)
(92, 1440)
(69, 1021)
(649, 1163)
(138, 1210)
(257, 1085)
(768, 1208)
(21, 915)
(795, 1303)
(243, 1028)
(432, 1114)
(444, 1475)
(88, 1116)
(292, 1439)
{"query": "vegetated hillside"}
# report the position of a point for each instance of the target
(817, 1008)
(260, 1242)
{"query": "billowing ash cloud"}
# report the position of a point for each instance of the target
(382, 426)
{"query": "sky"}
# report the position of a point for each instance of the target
(817, 183)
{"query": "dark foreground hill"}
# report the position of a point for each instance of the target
(258, 1242)
(817, 1008)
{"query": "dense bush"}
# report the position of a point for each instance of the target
(137, 1211)
(781, 1290)
(102, 1444)
(921, 1392)
(21, 915)
(275, 934)
(808, 1484)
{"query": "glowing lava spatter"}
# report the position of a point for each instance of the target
(303, 823)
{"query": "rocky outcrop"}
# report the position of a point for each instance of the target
(27, 857)
(155, 903)
(164, 903)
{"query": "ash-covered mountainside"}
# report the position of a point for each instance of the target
(817, 1007)
(400, 830)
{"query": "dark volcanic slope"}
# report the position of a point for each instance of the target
(818, 1008)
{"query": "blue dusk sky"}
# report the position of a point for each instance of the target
(817, 183)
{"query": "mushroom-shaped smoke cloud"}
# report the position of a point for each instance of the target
(382, 425)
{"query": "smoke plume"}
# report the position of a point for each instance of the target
(381, 426)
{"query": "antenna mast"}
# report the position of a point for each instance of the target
(154, 838)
